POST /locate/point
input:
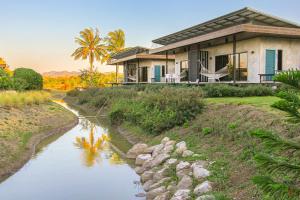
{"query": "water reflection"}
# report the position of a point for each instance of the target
(67, 167)
(95, 145)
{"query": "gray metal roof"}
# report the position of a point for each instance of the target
(130, 51)
(245, 15)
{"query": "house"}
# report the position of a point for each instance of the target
(243, 46)
(141, 67)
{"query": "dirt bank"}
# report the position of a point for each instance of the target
(22, 129)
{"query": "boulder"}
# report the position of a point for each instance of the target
(140, 159)
(185, 182)
(160, 174)
(157, 149)
(181, 195)
(200, 163)
(159, 159)
(182, 165)
(155, 192)
(136, 150)
(165, 140)
(168, 149)
(146, 176)
(199, 172)
(202, 188)
(171, 142)
(147, 164)
(181, 144)
(139, 170)
(206, 197)
(170, 162)
(172, 187)
(179, 150)
(159, 183)
(183, 168)
(187, 153)
(164, 196)
(147, 184)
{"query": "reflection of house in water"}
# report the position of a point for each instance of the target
(93, 147)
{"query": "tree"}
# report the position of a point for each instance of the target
(91, 47)
(280, 164)
(115, 44)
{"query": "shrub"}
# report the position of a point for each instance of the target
(18, 84)
(207, 130)
(5, 83)
(224, 90)
(3, 73)
(73, 93)
(157, 111)
(34, 80)
(291, 77)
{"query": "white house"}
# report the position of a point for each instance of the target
(242, 46)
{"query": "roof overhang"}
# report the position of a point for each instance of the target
(242, 16)
(141, 56)
(242, 28)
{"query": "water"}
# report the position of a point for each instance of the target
(79, 165)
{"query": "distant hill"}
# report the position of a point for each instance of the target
(61, 73)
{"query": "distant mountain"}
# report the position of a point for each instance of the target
(61, 73)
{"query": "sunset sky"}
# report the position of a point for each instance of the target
(40, 34)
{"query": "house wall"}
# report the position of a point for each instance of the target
(150, 64)
(255, 49)
(290, 51)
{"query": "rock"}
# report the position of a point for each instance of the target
(187, 153)
(159, 159)
(182, 165)
(180, 149)
(165, 140)
(159, 183)
(155, 192)
(171, 161)
(200, 163)
(160, 174)
(186, 182)
(136, 150)
(171, 142)
(199, 172)
(146, 176)
(206, 197)
(157, 150)
(181, 144)
(147, 164)
(139, 170)
(150, 150)
(141, 194)
(168, 149)
(147, 184)
(140, 159)
(183, 168)
(202, 188)
(164, 196)
(181, 195)
(172, 187)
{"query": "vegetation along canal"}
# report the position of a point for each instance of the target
(81, 164)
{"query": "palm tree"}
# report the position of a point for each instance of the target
(115, 44)
(91, 47)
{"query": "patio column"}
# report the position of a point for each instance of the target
(234, 57)
(138, 70)
(117, 67)
(167, 60)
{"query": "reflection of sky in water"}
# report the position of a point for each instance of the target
(80, 165)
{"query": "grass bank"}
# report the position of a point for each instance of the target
(219, 133)
(24, 123)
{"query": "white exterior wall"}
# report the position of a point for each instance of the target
(256, 50)
(290, 52)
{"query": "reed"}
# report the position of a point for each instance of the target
(19, 99)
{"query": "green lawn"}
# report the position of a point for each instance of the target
(263, 102)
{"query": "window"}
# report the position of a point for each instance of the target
(241, 66)
(163, 71)
(279, 60)
(184, 70)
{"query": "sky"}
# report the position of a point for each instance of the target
(40, 34)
